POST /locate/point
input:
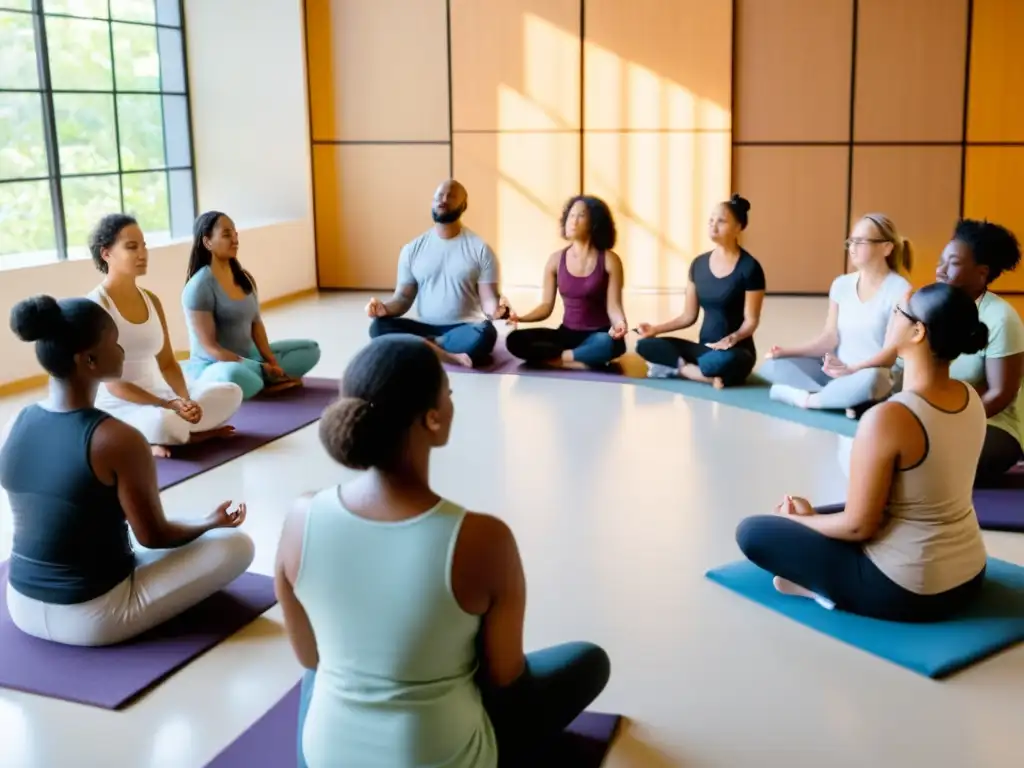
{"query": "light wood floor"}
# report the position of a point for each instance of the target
(621, 497)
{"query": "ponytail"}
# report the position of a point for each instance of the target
(901, 258)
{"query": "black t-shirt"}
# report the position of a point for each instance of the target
(722, 298)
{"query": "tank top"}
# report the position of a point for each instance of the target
(931, 541)
(585, 298)
(141, 343)
(397, 654)
(71, 539)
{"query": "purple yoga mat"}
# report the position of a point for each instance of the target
(1000, 509)
(259, 421)
(272, 741)
(113, 676)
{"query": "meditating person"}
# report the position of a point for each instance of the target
(405, 609)
(228, 341)
(728, 284)
(820, 374)
(152, 394)
(588, 276)
(452, 276)
(906, 546)
(78, 479)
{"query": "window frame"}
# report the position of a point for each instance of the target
(45, 90)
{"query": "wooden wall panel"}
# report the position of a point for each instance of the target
(378, 71)
(911, 62)
(919, 189)
(657, 65)
(797, 215)
(996, 104)
(792, 79)
(993, 192)
(515, 65)
(661, 187)
(517, 185)
(370, 201)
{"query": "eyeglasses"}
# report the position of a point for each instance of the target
(905, 313)
(850, 243)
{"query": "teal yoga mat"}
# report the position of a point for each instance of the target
(938, 650)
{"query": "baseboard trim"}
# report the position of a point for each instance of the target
(38, 380)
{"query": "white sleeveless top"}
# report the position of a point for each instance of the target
(931, 541)
(141, 343)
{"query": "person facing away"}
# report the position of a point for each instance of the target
(227, 338)
(152, 394)
(827, 372)
(78, 479)
(906, 546)
(977, 255)
(452, 276)
(728, 284)
(587, 274)
(419, 663)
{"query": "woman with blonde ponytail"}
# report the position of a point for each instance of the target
(827, 372)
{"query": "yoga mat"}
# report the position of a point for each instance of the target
(631, 369)
(259, 421)
(113, 676)
(937, 650)
(1000, 509)
(272, 741)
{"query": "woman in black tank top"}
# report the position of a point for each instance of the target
(77, 480)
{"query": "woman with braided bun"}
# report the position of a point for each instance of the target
(407, 610)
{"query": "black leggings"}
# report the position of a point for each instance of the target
(998, 456)
(595, 349)
(732, 366)
(842, 572)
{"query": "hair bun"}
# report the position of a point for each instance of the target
(37, 318)
(739, 203)
(346, 430)
(977, 339)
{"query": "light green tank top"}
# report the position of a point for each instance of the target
(395, 683)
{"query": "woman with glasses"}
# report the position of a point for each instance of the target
(906, 545)
(823, 372)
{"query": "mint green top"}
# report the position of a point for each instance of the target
(1005, 338)
(395, 683)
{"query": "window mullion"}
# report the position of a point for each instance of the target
(60, 231)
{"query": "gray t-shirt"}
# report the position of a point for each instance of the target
(233, 317)
(447, 274)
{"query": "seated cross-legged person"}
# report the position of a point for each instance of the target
(77, 479)
(421, 662)
(819, 374)
(906, 546)
(227, 338)
(452, 276)
(152, 394)
(588, 276)
(728, 284)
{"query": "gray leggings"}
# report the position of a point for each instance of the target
(870, 385)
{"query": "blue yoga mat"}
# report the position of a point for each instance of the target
(937, 650)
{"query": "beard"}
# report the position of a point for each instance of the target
(448, 217)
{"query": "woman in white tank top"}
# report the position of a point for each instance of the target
(906, 546)
(152, 394)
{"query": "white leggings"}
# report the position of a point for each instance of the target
(161, 426)
(165, 583)
(869, 385)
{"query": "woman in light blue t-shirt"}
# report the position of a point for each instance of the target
(227, 338)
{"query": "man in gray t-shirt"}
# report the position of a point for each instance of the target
(452, 276)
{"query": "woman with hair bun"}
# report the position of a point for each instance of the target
(78, 479)
(407, 610)
(728, 284)
(906, 546)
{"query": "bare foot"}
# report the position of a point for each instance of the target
(463, 360)
(787, 587)
(281, 386)
(691, 372)
(161, 451)
(717, 382)
(212, 434)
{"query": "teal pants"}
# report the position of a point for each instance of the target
(296, 358)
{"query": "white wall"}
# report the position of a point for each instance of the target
(247, 80)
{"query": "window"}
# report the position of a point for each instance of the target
(94, 119)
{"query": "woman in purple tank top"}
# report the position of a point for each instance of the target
(588, 276)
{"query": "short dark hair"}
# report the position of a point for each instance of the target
(60, 329)
(602, 223)
(201, 257)
(992, 245)
(105, 234)
(950, 317)
(390, 383)
(739, 206)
